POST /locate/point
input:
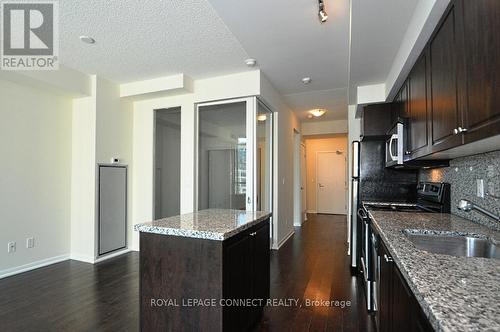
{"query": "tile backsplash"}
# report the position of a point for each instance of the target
(463, 174)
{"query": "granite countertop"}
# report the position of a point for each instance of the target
(455, 293)
(211, 224)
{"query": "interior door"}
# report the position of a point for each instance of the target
(303, 181)
(330, 183)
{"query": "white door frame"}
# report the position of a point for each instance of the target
(297, 199)
(272, 154)
(317, 185)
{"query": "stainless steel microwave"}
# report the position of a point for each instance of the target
(394, 146)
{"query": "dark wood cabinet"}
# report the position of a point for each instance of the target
(398, 309)
(246, 273)
(376, 120)
(237, 281)
(452, 95)
(444, 94)
(478, 22)
(400, 104)
(385, 291)
(417, 137)
(402, 303)
(182, 269)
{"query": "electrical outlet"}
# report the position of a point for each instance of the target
(480, 188)
(30, 242)
(11, 247)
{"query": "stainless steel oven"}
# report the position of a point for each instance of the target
(394, 146)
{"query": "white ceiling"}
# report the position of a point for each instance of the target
(145, 39)
(378, 28)
(142, 39)
(289, 43)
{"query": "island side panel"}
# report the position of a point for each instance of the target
(179, 268)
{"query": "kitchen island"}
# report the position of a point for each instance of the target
(204, 271)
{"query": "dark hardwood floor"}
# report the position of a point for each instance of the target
(74, 296)
(313, 265)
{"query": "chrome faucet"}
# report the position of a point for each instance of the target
(468, 206)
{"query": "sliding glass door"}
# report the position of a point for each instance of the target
(233, 154)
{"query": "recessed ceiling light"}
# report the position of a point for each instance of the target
(306, 80)
(250, 62)
(317, 112)
(87, 39)
(322, 15)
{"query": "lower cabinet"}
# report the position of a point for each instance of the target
(398, 307)
(232, 275)
(246, 276)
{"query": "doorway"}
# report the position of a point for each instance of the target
(167, 156)
(235, 155)
(326, 161)
(330, 195)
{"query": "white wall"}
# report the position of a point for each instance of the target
(83, 183)
(35, 172)
(102, 129)
(324, 127)
(286, 122)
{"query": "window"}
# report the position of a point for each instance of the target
(240, 180)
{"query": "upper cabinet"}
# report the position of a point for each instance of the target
(375, 120)
(418, 138)
(452, 95)
(478, 22)
(443, 80)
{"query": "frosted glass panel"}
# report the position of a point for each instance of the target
(222, 156)
(167, 162)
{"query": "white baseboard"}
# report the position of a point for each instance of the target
(32, 266)
(311, 211)
(82, 258)
(282, 242)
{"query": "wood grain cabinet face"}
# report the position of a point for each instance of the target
(385, 296)
(246, 275)
(444, 103)
(417, 142)
(479, 23)
(398, 309)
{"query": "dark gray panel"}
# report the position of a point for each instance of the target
(112, 208)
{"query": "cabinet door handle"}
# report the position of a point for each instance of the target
(462, 130)
(455, 131)
(253, 233)
(388, 259)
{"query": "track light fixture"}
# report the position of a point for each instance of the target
(322, 15)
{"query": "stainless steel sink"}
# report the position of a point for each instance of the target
(454, 245)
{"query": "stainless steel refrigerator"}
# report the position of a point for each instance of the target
(372, 181)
